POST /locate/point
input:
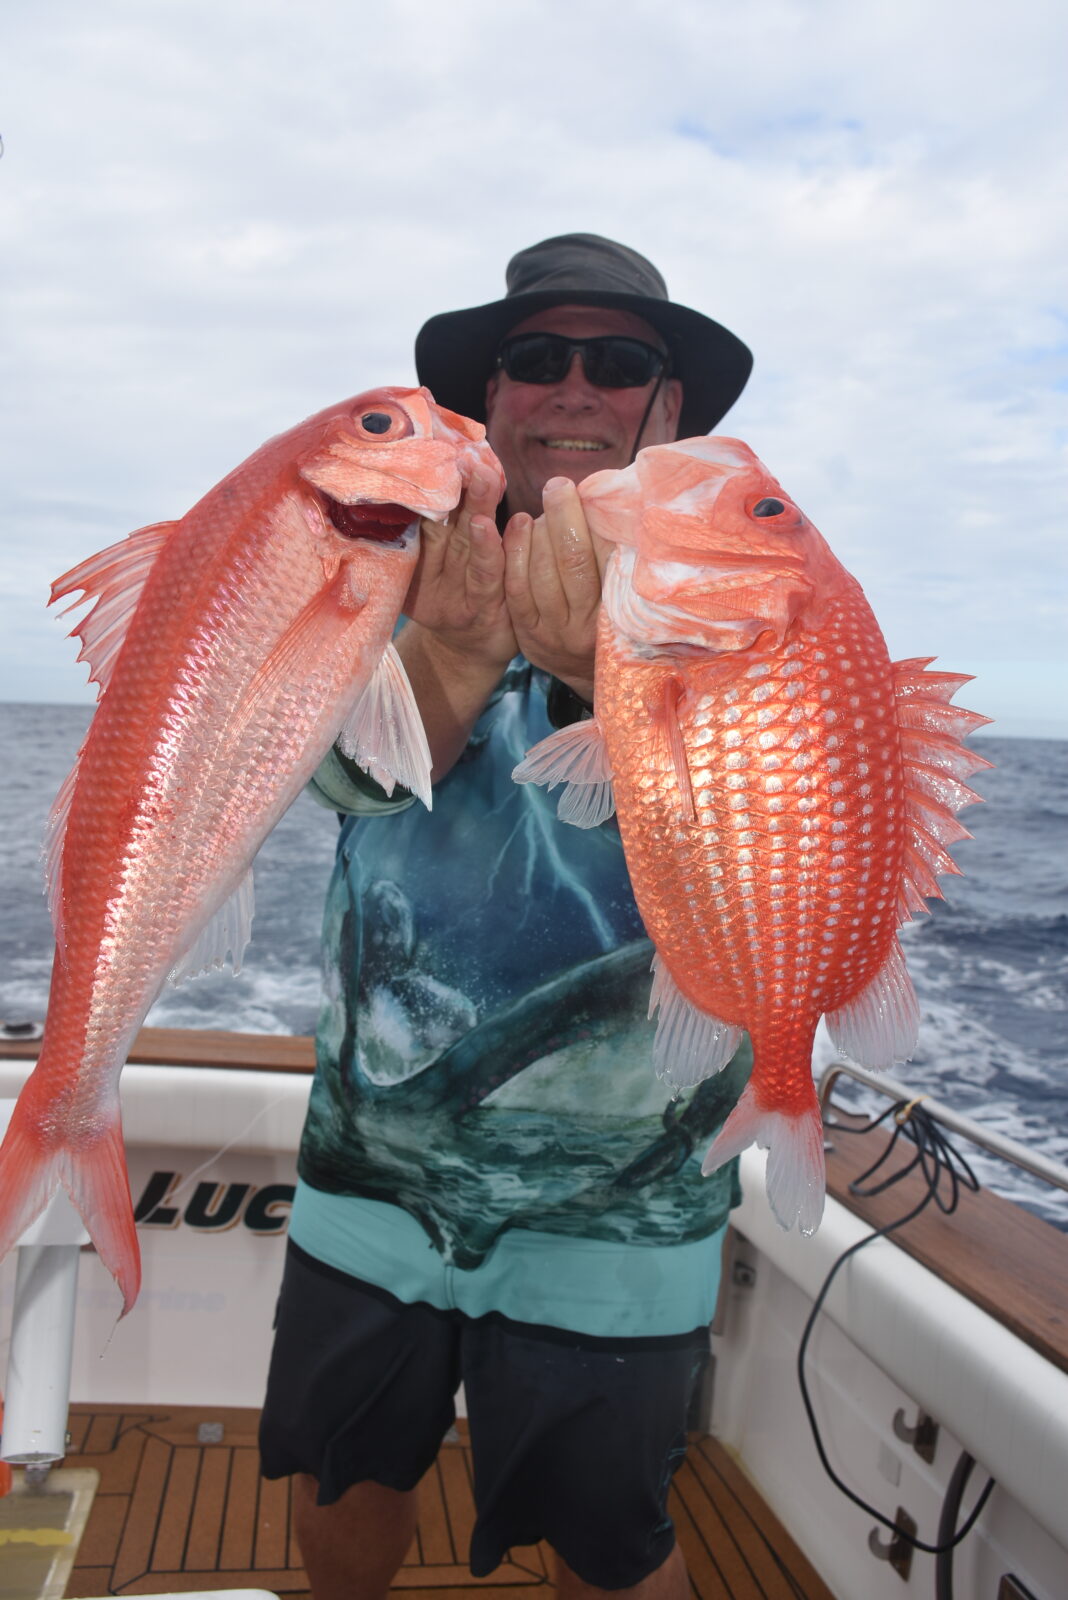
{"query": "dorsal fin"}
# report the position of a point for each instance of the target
(936, 762)
(115, 578)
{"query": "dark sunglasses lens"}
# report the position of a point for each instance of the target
(620, 363)
(536, 358)
(610, 363)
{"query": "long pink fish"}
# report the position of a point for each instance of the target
(786, 794)
(232, 648)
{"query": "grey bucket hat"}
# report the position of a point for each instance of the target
(455, 352)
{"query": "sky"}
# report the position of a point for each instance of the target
(217, 218)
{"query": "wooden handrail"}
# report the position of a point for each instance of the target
(201, 1047)
(1008, 1261)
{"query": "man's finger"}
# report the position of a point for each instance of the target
(570, 544)
(518, 541)
(485, 560)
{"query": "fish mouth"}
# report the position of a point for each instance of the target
(381, 523)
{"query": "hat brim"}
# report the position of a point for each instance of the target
(455, 352)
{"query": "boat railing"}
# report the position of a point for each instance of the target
(997, 1144)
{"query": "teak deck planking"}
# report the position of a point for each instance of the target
(175, 1514)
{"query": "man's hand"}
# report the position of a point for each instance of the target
(457, 592)
(459, 637)
(552, 585)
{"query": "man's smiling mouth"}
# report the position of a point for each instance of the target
(574, 444)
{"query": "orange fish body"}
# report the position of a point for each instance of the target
(232, 648)
(785, 793)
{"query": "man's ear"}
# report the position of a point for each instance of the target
(491, 393)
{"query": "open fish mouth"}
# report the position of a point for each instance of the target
(385, 524)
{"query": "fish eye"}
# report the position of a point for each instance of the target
(768, 507)
(376, 422)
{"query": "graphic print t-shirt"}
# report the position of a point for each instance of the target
(484, 1053)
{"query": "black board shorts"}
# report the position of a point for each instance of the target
(574, 1438)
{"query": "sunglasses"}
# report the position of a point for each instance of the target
(613, 362)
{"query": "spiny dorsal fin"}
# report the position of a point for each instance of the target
(936, 763)
(115, 579)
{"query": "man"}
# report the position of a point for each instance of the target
(494, 1186)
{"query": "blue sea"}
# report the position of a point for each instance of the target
(990, 964)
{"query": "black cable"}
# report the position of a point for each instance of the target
(938, 1160)
(946, 1524)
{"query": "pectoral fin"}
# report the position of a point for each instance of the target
(577, 757)
(384, 732)
(668, 719)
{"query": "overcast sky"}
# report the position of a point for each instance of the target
(218, 217)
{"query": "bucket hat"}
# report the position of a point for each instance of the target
(455, 352)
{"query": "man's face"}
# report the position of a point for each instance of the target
(570, 429)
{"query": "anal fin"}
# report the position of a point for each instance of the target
(224, 936)
(881, 1024)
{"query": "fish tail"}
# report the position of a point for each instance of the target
(93, 1174)
(796, 1175)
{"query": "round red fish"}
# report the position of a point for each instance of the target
(785, 793)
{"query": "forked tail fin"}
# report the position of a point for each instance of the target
(797, 1175)
(93, 1174)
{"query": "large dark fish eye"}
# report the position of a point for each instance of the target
(376, 422)
(768, 507)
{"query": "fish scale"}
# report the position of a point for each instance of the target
(785, 792)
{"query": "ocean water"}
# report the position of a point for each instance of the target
(990, 964)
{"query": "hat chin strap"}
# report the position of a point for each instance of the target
(645, 415)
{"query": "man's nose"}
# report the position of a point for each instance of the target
(575, 385)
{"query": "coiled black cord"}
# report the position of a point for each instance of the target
(943, 1168)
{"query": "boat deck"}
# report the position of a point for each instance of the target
(181, 1506)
